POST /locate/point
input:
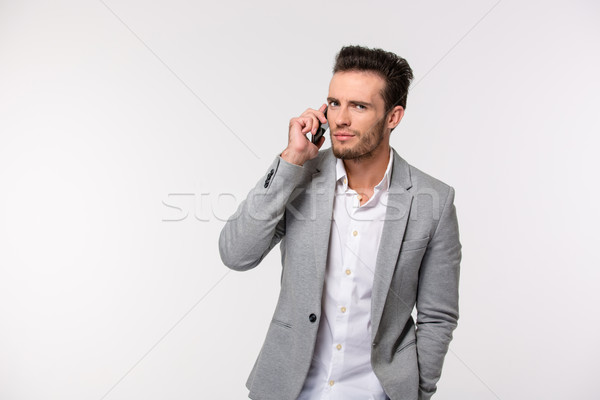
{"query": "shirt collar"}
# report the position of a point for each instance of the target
(341, 176)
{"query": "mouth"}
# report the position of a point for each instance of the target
(343, 136)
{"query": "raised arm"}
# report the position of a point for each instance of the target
(259, 223)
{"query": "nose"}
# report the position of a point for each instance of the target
(342, 116)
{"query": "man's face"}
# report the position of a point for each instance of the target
(356, 114)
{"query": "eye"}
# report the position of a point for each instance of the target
(361, 107)
(333, 103)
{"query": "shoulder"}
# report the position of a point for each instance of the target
(419, 182)
(422, 179)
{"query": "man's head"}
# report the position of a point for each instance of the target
(366, 101)
(394, 70)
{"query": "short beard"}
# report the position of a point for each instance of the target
(366, 146)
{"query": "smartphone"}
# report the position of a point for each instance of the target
(320, 130)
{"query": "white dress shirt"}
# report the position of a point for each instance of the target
(341, 366)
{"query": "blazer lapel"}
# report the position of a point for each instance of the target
(322, 192)
(398, 209)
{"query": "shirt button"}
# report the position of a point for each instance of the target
(312, 317)
(331, 383)
(348, 272)
(355, 233)
(339, 347)
(343, 309)
(345, 181)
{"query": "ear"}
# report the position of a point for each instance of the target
(394, 117)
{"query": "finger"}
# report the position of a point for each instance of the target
(316, 117)
(308, 112)
(317, 114)
(298, 128)
(321, 114)
(307, 124)
(296, 124)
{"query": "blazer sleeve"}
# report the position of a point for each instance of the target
(259, 222)
(437, 298)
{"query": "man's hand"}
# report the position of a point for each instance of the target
(300, 149)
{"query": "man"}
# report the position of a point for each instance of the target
(364, 237)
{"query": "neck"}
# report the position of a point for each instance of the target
(364, 174)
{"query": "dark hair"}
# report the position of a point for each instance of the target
(394, 70)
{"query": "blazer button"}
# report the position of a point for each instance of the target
(312, 317)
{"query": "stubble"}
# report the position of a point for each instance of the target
(368, 142)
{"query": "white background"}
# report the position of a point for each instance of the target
(118, 117)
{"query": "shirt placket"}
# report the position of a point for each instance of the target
(350, 242)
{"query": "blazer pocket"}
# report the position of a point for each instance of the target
(281, 323)
(406, 345)
(417, 244)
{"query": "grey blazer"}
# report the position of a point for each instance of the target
(417, 264)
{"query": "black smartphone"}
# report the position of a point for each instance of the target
(320, 130)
